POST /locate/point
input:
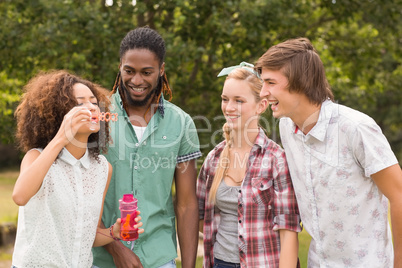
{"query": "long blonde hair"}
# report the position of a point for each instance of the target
(255, 83)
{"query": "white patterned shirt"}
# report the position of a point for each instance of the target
(57, 227)
(340, 205)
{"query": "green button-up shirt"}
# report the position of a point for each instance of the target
(146, 169)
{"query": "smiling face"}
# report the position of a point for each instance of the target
(239, 105)
(86, 98)
(140, 71)
(275, 88)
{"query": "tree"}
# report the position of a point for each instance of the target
(358, 40)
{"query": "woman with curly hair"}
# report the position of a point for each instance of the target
(63, 177)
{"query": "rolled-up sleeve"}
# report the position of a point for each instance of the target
(285, 203)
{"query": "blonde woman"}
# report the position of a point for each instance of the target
(247, 206)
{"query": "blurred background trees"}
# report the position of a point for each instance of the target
(359, 42)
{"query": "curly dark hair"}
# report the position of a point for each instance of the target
(47, 98)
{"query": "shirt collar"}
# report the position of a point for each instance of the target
(161, 106)
(261, 139)
(320, 129)
(67, 157)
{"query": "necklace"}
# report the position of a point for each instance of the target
(236, 181)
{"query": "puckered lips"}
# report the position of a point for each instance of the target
(95, 118)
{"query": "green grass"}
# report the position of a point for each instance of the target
(304, 243)
(8, 209)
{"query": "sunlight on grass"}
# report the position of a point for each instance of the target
(304, 243)
(8, 209)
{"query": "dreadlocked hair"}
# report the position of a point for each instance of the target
(144, 38)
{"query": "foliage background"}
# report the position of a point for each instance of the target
(359, 41)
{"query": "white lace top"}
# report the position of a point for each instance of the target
(57, 227)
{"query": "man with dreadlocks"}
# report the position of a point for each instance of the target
(154, 141)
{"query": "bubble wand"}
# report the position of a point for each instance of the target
(102, 116)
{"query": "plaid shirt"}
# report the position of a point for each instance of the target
(266, 203)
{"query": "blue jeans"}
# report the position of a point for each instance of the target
(170, 264)
(223, 264)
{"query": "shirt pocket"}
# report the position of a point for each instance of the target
(165, 146)
(262, 191)
(159, 152)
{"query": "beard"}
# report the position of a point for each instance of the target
(139, 103)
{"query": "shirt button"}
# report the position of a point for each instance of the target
(239, 221)
(164, 137)
(137, 144)
(135, 167)
(239, 191)
(128, 242)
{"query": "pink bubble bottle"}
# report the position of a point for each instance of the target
(128, 209)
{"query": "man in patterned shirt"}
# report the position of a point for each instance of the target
(342, 167)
